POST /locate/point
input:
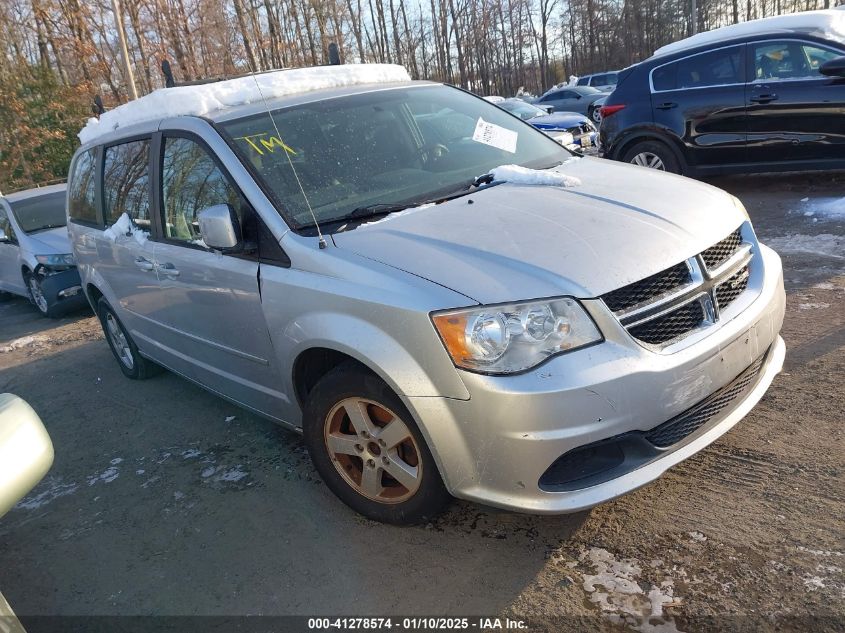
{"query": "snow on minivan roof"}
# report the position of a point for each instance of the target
(828, 23)
(203, 99)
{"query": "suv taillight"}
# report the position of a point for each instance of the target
(606, 111)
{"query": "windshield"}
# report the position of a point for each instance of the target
(521, 109)
(40, 212)
(387, 147)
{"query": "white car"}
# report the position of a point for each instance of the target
(35, 254)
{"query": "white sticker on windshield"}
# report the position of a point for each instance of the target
(494, 135)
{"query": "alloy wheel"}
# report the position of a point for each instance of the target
(373, 450)
(118, 339)
(597, 115)
(37, 295)
(648, 159)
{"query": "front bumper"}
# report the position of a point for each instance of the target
(495, 447)
(63, 290)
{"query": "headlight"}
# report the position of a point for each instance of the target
(56, 260)
(564, 138)
(738, 204)
(504, 339)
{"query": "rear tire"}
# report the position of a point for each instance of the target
(652, 154)
(359, 435)
(130, 361)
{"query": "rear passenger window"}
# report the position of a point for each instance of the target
(126, 182)
(82, 206)
(191, 182)
(716, 68)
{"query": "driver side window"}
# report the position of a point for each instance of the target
(190, 183)
(6, 226)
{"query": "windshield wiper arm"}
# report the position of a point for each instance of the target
(46, 227)
(371, 210)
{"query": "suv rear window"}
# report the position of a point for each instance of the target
(82, 203)
(126, 182)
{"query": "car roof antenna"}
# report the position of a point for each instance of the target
(322, 240)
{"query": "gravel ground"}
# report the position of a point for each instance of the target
(166, 500)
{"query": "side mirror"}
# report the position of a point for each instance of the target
(833, 68)
(549, 109)
(219, 227)
(3, 237)
(26, 452)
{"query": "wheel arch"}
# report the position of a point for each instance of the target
(313, 363)
(650, 134)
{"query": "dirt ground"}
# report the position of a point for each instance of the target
(164, 499)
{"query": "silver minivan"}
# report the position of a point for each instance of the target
(442, 299)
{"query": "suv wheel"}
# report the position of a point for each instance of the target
(595, 115)
(368, 450)
(132, 364)
(652, 154)
(36, 295)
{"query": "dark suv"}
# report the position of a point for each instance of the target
(773, 100)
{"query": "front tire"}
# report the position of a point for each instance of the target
(131, 363)
(367, 448)
(36, 296)
(652, 154)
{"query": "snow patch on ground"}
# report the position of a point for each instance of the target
(24, 341)
(107, 476)
(825, 244)
(55, 488)
(204, 99)
(833, 208)
(125, 227)
(697, 536)
(617, 588)
(812, 306)
(224, 474)
(517, 175)
(825, 285)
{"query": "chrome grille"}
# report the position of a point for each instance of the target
(718, 253)
(732, 288)
(670, 326)
(663, 308)
(646, 290)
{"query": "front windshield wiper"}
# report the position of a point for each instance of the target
(45, 228)
(372, 210)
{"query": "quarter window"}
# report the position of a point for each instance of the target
(126, 182)
(191, 182)
(82, 204)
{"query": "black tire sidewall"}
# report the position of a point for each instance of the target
(670, 161)
(347, 381)
(51, 310)
(137, 372)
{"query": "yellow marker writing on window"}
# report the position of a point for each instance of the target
(270, 144)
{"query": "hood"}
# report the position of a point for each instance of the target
(558, 120)
(515, 241)
(49, 242)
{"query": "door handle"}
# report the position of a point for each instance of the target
(145, 264)
(667, 106)
(764, 98)
(168, 269)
